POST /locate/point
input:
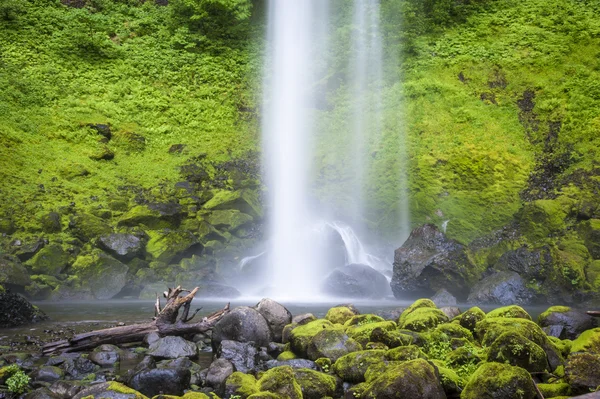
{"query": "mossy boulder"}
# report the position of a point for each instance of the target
(114, 390)
(515, 349)
(153, 216)
(240, 385)
(353, 366)
(51, 222)
(555, 390)
(451, 382)
(282, 381)
(412, 379)
(13, 272)
(361, 333)
(565, 322)
(246, 201)
(583, 372)
(421, 319)
(539, 219)
(87, 227)
(511, 311)
(123, 246)
(286, 355)
(301, 336)
(100, 274)
(391, 339)
(499, 381)
(340, 314)
(317, 385)
(403, 353)
(228, 219)
(50, 260)
(170, 246)
(331, 343)
(588, 341)
(471, 317)
(461, 356)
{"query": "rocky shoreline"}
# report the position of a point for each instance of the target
(263, 351)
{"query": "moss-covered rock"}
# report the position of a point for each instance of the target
(499, 381)
(240, 385)
(172, 245)
(109, 390)
(403, 353)
(554, 390)
(51, 222)
(340, 314)
(87, 227)
(451, 382)
(316, 385)
(588, 341)
(13, 272)
(589, 230)
(228, 219)
(511, 311)
(286, 355)
(583, 372)
(412, 379)
(150, 216)
(592, 273)
(538, 219)
(100, 274)
(332, 344)
(300, 336)
(514, 349)
(462, 356)
(361, 333)
(564, 322)
(390, 338)
(280, 380)
(353, 366)
(471, 317)
(246, 201)
(50, 260)
(422, 319)
(454, 330)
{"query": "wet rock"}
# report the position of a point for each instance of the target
(332, 344)
(317, 385)
(502, 288)
(50, 260)
(108, 390)
(218, 372)
(356, 281)
(15, 310)
(276, 315)
(48, 374)
(514, 349)
(13, 272)
(228, 219)
(122, 246)
(242, 355)
(443, 298)
(158, 381)
(105, 355)
(450, 311)
(565, 323)
(154, 216)
(427, 262)
(353, 366)
(26, 250)
(171, 347)
(280, 381)
(67, 389)
(42, 393)
(100, 274)
(242, 324)
(293, 363)
(78, 367)
(534, 263)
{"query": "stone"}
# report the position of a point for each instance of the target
(102, 129)
(122, 246)
(218, 372)
(514, 349)
(243, 355)
(87, 227)
(228, 219)
(105, 355)
(583, 372)
(353, 366)
(443, 298)
(317, 385)
(42, 393)
(50, 260)
(171, 347)
(356, 281)
(501, 288)
(26, 250)
(281, 381)
(429, 261)
(293, 363)
(100, 274)
(15, 310)
(499, 381)
(571, 322)
(48, 374)
(13, 272)
(246, 201)
(340, 314)
(67, 389)
(51, 222)
(172, 246)
(276, 315)
(79, 367)
(331, 344)
(242, 324)
(172, 381)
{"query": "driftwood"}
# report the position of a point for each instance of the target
(164, 323)
(594, 313)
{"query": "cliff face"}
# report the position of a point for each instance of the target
(129, 139)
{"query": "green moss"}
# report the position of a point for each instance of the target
(391, 339)
(420, 303)
(286, 355)
(592, 274)
(499, 380)
(99, 273)
(315, 384)
(339, 314)
(514, 349)
(363, 319)
(512, 311)
(403, 353)
(230, 219)
(553, 309)
(331, 343)
(241, 384)
(245, 201)
(87, 227)
(267, 395)
(301, 336)
(588, 341)
(470, 318)
(541, 218)
(50, 260)
(453, 330)
(554, 390)
(452, 383)
(422, 319)
(280, 380)
(362, 332)
(164, 246)
(353, 366)
(142, 215)
(120, 388)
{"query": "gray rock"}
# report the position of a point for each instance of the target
(503, 288)
(42, 393)
(429, 261)
(172, 381)
(79, 367)
(218, 371)
(151, 338)
(101, 274)
(48, 374)
(173, 347)
(122, 246)
(104, 391)
(276, 315)
(243, 355)
(332, 344)
(105, 355)
(293, 363)
(242, 324)
(67, 389)
(566, 323)
(356, 281)
(443, 298)
(450, 311)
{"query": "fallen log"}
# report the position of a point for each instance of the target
(165, 322)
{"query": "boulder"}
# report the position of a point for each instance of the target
(276, 315)
(414, 379)
(50, 260)
(356, 281)
(317, 385)
(87, 227)
(100, 274)
(172, 381)
(42, 393)
(301, 335)
(246, 201)
(121, 245)
(429, 261)
(15, 310)
(583, 372)
(280, 381)
(78, 367)
(109, 390)
(532, 263)
(443, 298)
(48, 374)
(422, 315)
(171, 347)
(293, 363)
(499, 381)
(332, 344)
(515, 349)
(228, 219)
(353, 366)
(242, 324)
(240, 385)
(569, 323)
(243, 355)
(51, 222)
(154, 216)
(501, 288)
(340, 314)
(218, 372)
(170, 246)
(12, 272)
(105, 355)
